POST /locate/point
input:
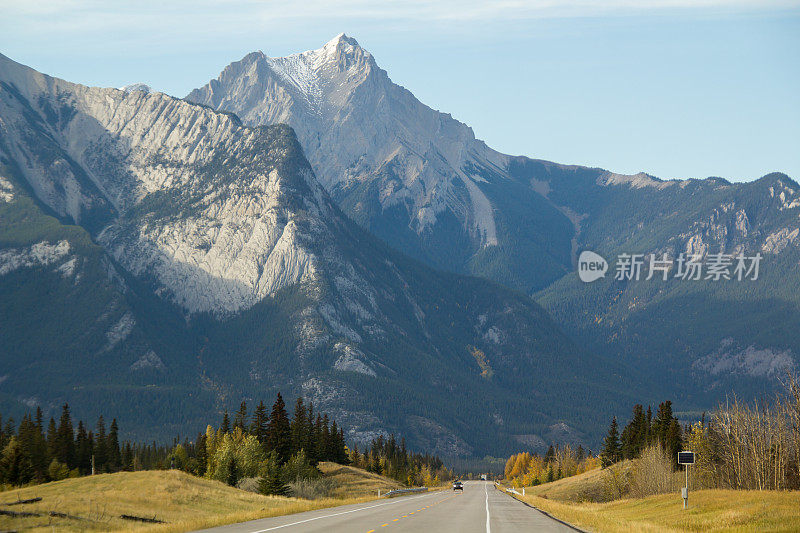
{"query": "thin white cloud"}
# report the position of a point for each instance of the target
(154, 25)
(454, 10)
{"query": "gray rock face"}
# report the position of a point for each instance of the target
(421, 180)
(216, 217)
(360, 129)
(142, 87)
(212, 249)
(351, 360)
(758, 362)
(39, 254)
(244, 274)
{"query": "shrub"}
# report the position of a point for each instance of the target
(57, 471)
(312, 489)
(299, 468)
(235, 456)
(250, 484)
(654, 473)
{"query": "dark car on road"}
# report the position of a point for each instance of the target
(457, 485)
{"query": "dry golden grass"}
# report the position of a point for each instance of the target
(355, 482)
(595, 485)
(583, 500)
(185, 502)
(709, 510)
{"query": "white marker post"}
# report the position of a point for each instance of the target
(685, 459)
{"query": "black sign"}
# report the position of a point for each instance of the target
(685, 458)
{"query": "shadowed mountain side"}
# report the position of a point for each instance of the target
(244, 278)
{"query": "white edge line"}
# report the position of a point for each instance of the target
(341, 513)
(488, 526)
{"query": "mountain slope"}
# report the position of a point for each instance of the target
(709, 337)
(420, 180)
(245, 278)
(411, 175)
(70, 328)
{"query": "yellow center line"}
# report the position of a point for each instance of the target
(417, 511)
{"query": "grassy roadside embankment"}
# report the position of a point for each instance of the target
(184, 502)
(709, 510)
(354, 482)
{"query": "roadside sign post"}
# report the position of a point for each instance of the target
(685, 459)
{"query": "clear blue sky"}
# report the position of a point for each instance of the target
(676, 88)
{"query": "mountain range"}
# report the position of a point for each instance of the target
(420, 180)
(160, 257)
(304, 224)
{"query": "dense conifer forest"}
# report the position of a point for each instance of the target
(276, 453)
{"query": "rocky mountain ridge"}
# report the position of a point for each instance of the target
(237, 276)
(422, 181)
(361, 130)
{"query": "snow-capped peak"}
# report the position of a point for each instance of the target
(354, 123)
(341, 38)
(323, 75)
(141, 87)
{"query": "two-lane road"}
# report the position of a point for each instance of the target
(479, 509)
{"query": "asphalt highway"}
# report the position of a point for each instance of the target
(480, 508)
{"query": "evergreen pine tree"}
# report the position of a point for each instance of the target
(375, 464)
(279, 433)
(550, 455)
(311, 442)
(299, 426)
(634, 436)
(323, 439)
(271, 481)
(202, 454)
(259, 426)
(127, 457)
(225, 427)
(65, 439)
(112, 447)
(610, 453)
(662, 420)
(8, 429)
(240, 418)
(341, 449)
(83, 449)
(99, 448)
(333, 443)
(39, 451)
(673, 441)
(37, 447)
(233, 471)
(52, 440)
(27, 437)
